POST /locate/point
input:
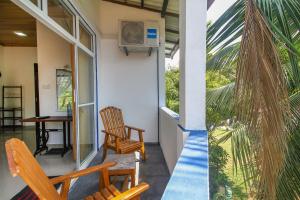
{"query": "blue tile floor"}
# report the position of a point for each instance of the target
(153, 171)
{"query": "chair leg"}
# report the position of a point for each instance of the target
(143, 153)
(104, 152)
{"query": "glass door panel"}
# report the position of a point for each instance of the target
(85, 37)
(86, 105)
(85, 78)
(86, 131)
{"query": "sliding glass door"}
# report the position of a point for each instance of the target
(86, 105)
(63, 18)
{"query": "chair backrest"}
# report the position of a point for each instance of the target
(22, 163)
(113, 122)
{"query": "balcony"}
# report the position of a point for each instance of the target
(177, 149)
(189, 173)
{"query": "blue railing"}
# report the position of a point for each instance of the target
(189, 180)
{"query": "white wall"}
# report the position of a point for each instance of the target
(53, 53)
(168, 136)
(129, 82)
(17, 69)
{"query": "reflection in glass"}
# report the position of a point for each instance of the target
(35, 2)
(61, 15)
(85, 37)
(85, 77)
(86, 131)
(63, 89)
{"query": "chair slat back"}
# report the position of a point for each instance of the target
(113, 122)
(22, 163)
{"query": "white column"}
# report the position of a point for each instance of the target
(192, 68)
(161, 66)
(192, 63)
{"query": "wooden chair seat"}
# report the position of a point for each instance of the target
(127, 146)
(118, 135)
(105, 194)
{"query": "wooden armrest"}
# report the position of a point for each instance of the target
(83, 172)
(134, 128)
(133, 192)
(109, 133)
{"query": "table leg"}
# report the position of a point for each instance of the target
(44, 137)
(125, 185)
(37, 138)
(132, 178)
(65, 139)
(41, 139)
(69, 132)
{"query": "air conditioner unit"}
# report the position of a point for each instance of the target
(137, 36)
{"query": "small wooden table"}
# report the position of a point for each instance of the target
(126, 166)
(41, 134)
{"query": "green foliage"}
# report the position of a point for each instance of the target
(172, 89)
(214, 117)
(216, 79)
(283, 18)
(218, 158)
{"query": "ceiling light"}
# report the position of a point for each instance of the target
(21, 34)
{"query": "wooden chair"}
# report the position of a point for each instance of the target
(117, 134)
(22, 163)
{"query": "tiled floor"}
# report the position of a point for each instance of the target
(52, 164)
(154, 171)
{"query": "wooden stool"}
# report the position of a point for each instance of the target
(126, 166)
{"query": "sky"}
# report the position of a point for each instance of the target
(214, 12)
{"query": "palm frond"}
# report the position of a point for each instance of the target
(262, 99)
(242, 152)
(284, 25)
(221, 99)
(226, 27)
(289, 180)
(225, 58)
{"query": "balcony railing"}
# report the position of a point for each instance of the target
(189, 178)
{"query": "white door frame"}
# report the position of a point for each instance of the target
(40, 12)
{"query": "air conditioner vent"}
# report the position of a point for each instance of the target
(132, 33)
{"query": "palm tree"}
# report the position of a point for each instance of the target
(260, 39)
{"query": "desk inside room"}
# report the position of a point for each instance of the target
(42, 134)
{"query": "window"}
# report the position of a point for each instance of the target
(61, 15)
(64, 89)
(85, 37)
